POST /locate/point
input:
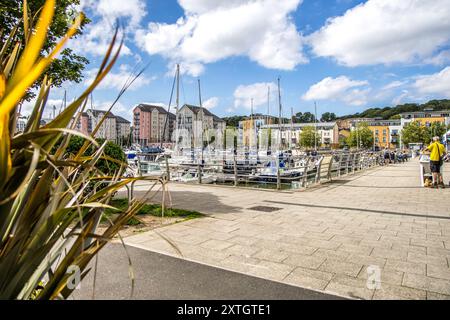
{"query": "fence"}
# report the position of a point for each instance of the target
(272, 172)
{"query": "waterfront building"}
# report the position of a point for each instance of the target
(123, 127)
(290, 133)
(149, 122)
(386, 133)
(196, 124)
(21, 123)
(426, 117)
(107, 129)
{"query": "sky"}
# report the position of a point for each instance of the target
(343, 55)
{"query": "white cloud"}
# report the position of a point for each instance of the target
(394, 85)
(28, 106)
(211, 31)
(97, 36)
(440, 59)
(385, 32)
(118, 79)
(434, 84)
(202, 6)
(211, 103)
(243, 95)
(352, 92)
(119, 108)
(405, 94)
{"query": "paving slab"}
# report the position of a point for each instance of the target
(323, 238)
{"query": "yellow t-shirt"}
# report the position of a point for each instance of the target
(437, 150)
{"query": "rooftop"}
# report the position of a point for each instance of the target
(320, 125)
(119, 119)
(150, 108)
(196, 109)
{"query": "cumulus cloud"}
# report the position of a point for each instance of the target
(434, 84)
(352, 92)
(97, 36)
(386, 32)
(116, 80)
(244, 94)
(211, 103)
(210, 31)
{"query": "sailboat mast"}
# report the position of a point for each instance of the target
(201, 109)
(177, 107)
(280, 109)
(292, 126)
(251, 120)
(315, 126)
(268, 104)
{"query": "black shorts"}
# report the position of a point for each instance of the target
(435, 166)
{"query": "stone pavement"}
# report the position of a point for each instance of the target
(373, 235)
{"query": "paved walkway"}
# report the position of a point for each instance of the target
(161, 277)
(329, 239)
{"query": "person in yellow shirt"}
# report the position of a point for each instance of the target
(437, 152)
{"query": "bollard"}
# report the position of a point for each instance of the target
(199, 170)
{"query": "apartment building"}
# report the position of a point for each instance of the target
(290, 133)
(108, 128)
(123, 127)
(426, 117)
(21, 123)
(386, 133)
(249, 128)
(152, 124)
(196, 124)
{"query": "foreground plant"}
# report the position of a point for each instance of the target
(48, 213)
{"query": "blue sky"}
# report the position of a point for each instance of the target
(346, 55)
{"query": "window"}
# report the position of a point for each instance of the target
(384, 139)
(377, 132)
(384, 132)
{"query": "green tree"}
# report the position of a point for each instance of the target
(112, 150)
(306, 117)
(361, 137)
(328, 117)
(413, 132)
(309, 138)
(68, 66)
(435, 129)
(233, 121)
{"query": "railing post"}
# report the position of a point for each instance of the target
(235, 171)
(353, 163)
(330, 167)
(167, 169)
(278, 175)
(340, 164)
(305, 173)
(318, 172)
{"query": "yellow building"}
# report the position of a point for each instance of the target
(381, 135)
(426, 117)
(429, 121)
(248, 132)
(386, 133)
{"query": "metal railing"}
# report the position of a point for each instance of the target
(273, 171)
